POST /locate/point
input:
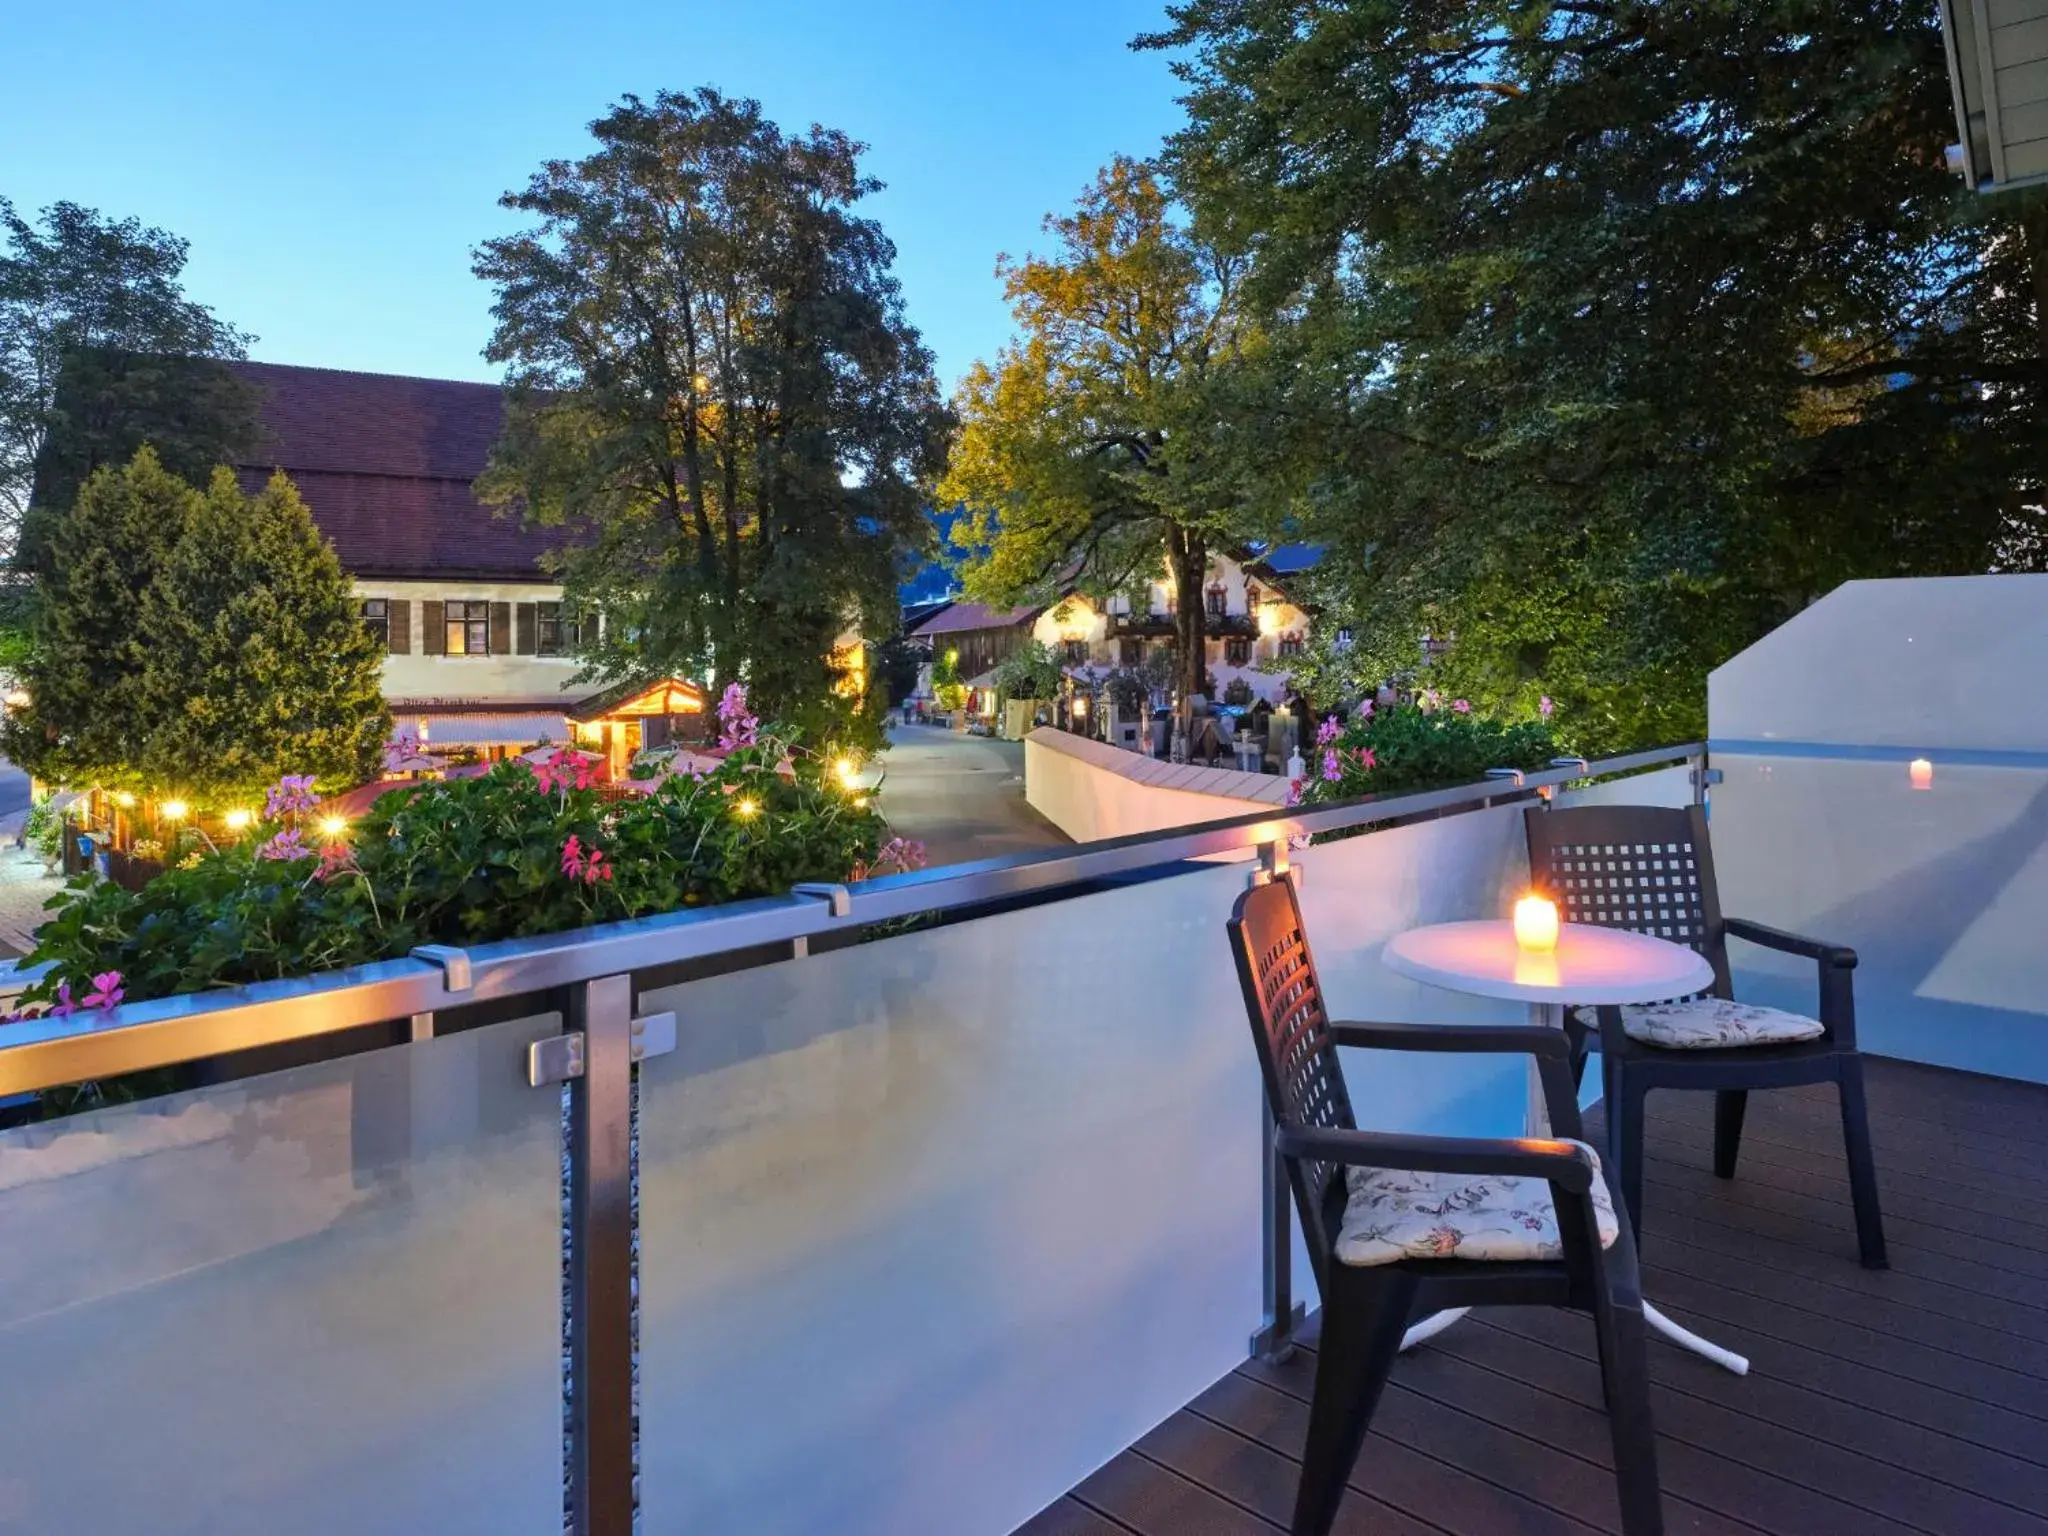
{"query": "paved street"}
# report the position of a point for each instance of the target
(961, 796)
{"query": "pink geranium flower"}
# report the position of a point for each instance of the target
(573, 861)
(900, 855)
(1333, 767)
(737, 726)
(288, 844)
(106, 990)
(293, 792)
(1367, 760)
(1544, 706)
(1462, 706)
(1328, 731)
(64, 1005)
(1294, 791)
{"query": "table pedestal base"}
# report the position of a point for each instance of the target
(1684, 1338)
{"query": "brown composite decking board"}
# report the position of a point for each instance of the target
(1909, 1401)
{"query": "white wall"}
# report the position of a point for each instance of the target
(420, 676)
(1091, 790)
(1819, 824)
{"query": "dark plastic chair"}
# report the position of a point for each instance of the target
(1651, 869)
(1367, 1308)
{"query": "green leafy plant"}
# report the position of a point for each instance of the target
(43, 829)
(1419, 746)
(1032, 671)
(516, 852)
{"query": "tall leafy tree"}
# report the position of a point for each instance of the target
(1087, 450)
(1616, 331)
(200, 642)
(100, 352)
(255, 661)
(713, 383)
(87, 709)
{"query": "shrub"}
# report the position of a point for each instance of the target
(1393, 751)
(1238, 692)
(516, 852)
(1032, 671)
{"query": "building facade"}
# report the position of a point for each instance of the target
(1252, 624)
(479, 647)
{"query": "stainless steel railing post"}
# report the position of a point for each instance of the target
(601, 1261)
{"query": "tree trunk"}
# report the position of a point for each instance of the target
(1187, 554)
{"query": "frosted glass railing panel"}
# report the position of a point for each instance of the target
(1942, 891)
(1661, 786)
(324, 1302)
(934, 1226)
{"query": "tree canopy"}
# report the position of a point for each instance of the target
(205, 643)
(1608, 334)
(101, 352)
(1087, 454)
(256, 662)
(710, 375)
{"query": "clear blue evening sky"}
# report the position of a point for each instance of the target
(333, 163)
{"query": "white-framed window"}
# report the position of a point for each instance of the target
(468, 628)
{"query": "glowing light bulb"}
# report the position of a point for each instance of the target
(175, 810)
(333, 826)
(237, 820)
(1536, 923)
(746, 808)
(1920, 773)
(124, 800)
(846, 769)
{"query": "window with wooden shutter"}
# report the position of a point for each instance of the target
(523, 628)
(501, 629)
(401, 626)
(376, 613)
(434, 628)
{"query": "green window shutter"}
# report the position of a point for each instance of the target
(501, 629)
(526, 629)
(435, 618)
(401, 626)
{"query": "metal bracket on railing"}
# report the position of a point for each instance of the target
(1585, 768)
(559, 1058)
(839, 897)
(1511, 775)
(1713, 775)
(1273, 863)
(454, 963)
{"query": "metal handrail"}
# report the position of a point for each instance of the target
(46, 1052)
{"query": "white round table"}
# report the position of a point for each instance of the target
(1589, 966)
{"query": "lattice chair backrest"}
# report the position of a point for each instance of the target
(1284, 1001)
(1641, 867)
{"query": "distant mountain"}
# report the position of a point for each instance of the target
(937, 581)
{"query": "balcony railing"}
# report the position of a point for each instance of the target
(906, 1236)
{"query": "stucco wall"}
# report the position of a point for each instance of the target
(419, 676)
(1091, 790)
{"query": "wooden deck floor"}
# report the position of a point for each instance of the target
(1914, 1400)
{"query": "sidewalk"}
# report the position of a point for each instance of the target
(23, 890)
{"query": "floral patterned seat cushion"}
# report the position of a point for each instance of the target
(1709, 1024)
(1396, 1213)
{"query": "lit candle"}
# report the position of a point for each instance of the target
(1536, 923)
(1920, 773)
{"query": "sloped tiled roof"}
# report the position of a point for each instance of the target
(386, 463)
(956, 617)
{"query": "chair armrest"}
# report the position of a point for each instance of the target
(1519, 1039)
(1566, 1164)
(1838, 956)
